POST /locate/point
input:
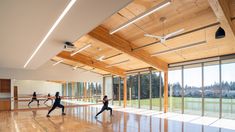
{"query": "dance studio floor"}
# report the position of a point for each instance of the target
(81, 119)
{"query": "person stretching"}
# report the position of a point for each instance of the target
(105, 106)
(49, 98)
(34, 98)
(56, 104)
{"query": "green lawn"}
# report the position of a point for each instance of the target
(191, 105)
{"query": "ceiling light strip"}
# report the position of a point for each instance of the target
(101, 58)
(83, 48)
(179, 48)
(142, 15)
(118, 63)
(71, 3)
(58, 62)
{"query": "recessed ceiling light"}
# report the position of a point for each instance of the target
(71, 3)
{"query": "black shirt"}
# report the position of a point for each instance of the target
(57, 100)
(106, 102)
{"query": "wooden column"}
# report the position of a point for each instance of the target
(124, 92)
(165, 91)
(65, 88)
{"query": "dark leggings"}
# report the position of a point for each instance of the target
(56, 105)
(105, 108)
(33, 100)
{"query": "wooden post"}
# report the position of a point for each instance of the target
(165, 91)
(64, 89)
(124, 92)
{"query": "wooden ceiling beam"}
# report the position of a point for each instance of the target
(102, 34)
(86, 60)
(222, 12)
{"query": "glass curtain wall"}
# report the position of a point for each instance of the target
(208, 89)
(129, 86)
(116, 90)
(162, 91)
(69, 89)
(211, 89)
(228, 88)
(156, 90)
(121, 92)
(133, 91)
(175, 89)
(144, 91)
(192, 89)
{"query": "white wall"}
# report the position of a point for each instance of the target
(59, 72)
(27, 87)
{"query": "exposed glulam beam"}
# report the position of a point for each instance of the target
(86, 60)
(222, 12)
(102, 34)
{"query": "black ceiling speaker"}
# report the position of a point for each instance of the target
(220, 33)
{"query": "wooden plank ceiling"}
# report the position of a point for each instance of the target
(197, 17)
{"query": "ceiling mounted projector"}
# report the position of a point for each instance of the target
(68, 46)
(69, 43)
(220, 33)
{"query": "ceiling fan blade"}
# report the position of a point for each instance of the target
(173, 34)
(153, 36)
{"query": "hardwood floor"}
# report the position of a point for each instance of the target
(81, 119)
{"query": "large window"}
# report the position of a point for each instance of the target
(121, 92)
(116, 90)
(228, 88)
(133, 91)
(211, 89)
(156, 91)
(144, 91)
(70, 89)
(175, 89)
(193, 89)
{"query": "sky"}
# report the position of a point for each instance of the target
(193, 77)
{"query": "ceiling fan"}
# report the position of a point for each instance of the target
(163, 38)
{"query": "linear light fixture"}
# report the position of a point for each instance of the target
(179, 48)
(58, 62)
(71, 3)
(101, 58)
(118, 63)
(142, 15)
(75, 67)
(83, 48)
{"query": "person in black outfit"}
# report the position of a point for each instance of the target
(49, 98)
(105, 106)
(34, 98)
(56, 104)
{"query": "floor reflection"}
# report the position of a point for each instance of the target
(82, 119)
